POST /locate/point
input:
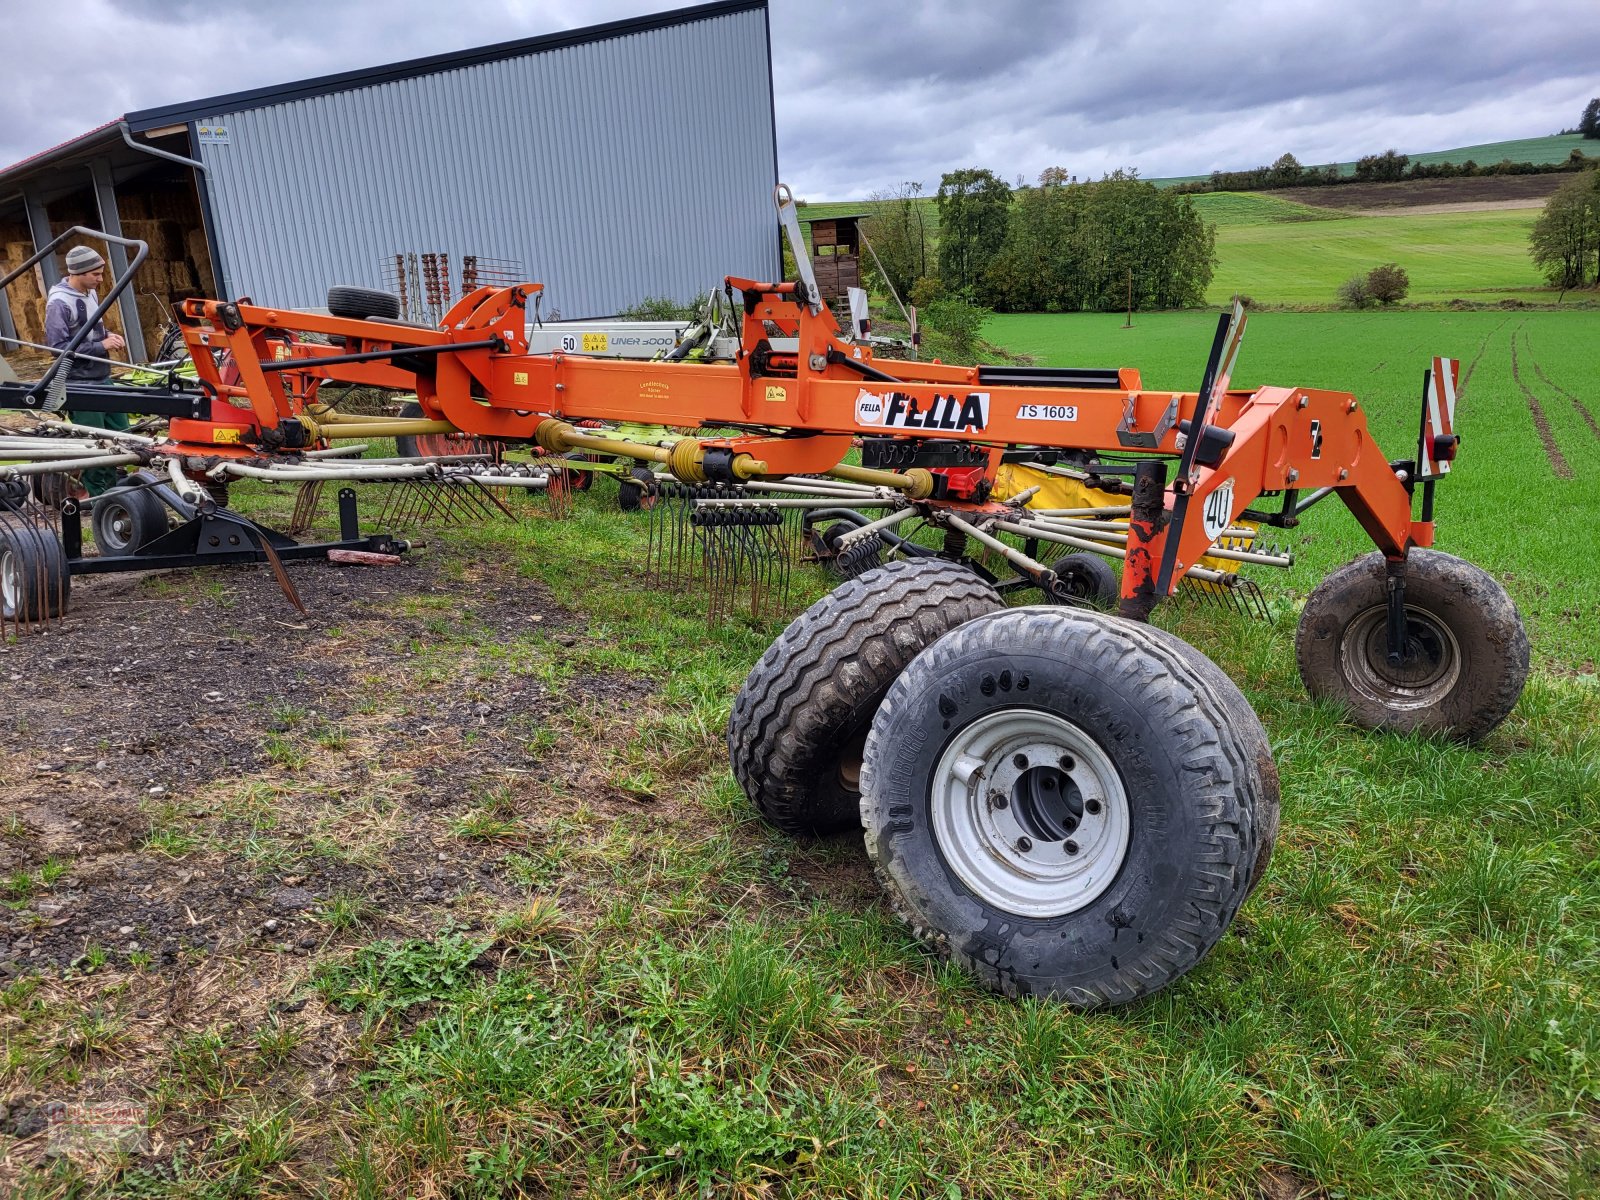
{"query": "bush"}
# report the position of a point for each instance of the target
(1353, 292)
(926, 291)
(960, 321)
(1388, 283)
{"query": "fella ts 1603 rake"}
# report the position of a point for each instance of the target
(1065, 802)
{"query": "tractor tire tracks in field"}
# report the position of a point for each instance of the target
(1541, 422)
(1466, 376)
(1583, 411)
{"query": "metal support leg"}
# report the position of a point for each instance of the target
(1146, 518)
(1396, 573)
(349, 523)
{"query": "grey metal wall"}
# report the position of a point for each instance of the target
(638, 165)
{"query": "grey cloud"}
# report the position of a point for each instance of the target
(870, 93)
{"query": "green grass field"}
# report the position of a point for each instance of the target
(661, 996)
(1479, 256)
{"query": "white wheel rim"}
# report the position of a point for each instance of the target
(10, 584)
(118, 525)
(1030, 813)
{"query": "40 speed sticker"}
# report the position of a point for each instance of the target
(1217, 514)
(1047, 412)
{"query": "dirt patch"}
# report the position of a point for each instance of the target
(1415, 196)
(191, 765)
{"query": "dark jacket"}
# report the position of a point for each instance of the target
(65, 312)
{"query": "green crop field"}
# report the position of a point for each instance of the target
(1503, 506)
(1226, 210)
(1553, 149)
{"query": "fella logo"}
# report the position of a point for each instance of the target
(869, 408)
(956, 414)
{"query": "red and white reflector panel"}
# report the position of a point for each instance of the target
(1437, 445)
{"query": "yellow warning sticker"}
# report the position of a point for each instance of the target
(595, 343)
(230, 436)
(776, 395)
(520, 378)
(280, 351)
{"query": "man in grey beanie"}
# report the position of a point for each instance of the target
(68, 307)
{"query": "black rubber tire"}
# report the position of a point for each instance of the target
(1175, 746)
(1472, 647)
(34, 580)
(1089, 578)
(360, 303)
(52, 489)
(405, 445)
(1257, 748)
(855, 561)
(798, 726)
(577, 481)
(126, 518)
(633, 490)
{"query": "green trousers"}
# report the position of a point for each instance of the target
(101, 479)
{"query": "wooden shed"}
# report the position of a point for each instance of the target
(836, 254)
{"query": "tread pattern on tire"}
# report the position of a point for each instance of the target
(46, 581)
(1211, 749)
(633, 488)
(145, 511)
(1097, 578)
(359, 303)
(818, 685)
(1253, 735)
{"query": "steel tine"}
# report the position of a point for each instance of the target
(750, 558)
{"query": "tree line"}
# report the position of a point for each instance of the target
(1389, 167)
(1055, 246)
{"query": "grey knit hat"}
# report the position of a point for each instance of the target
(81, 260)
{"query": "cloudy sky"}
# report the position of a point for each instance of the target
(871, 93)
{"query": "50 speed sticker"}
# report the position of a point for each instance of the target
(1047, 412)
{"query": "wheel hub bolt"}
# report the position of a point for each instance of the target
(1020, 761)
(1068, 762)
(1091, 806)
(998, 799)
(1024, 844)
(1071, 846)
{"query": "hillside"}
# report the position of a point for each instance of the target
(1478, 256)
(1535, 150)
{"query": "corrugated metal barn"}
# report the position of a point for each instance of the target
(611, 163)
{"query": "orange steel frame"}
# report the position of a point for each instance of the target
(804, 408)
